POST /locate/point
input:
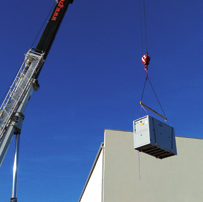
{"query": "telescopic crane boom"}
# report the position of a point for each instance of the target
(13, 107)
(51, 29)
(25, 82)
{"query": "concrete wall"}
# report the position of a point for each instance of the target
(174, 179)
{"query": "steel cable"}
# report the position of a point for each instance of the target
(44, 23)
(145, 26)
(157, 98)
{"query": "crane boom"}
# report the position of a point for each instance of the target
(51, 29)
(25, 82)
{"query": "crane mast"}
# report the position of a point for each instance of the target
(25, 83)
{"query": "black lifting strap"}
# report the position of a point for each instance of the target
(164, 117)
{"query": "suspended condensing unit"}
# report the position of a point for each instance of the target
(154, 137)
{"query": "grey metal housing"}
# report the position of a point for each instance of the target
(154, 137)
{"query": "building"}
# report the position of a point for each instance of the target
(115, 175)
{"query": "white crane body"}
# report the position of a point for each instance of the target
(16, 100)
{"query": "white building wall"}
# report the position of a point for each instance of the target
(93, 189)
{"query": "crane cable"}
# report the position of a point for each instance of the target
(44, 23)
(147, 77)
(145, 25)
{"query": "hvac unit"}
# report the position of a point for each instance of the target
(154, 137)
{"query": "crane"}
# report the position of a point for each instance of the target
(24, 84)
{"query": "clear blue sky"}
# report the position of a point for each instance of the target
(92, 80)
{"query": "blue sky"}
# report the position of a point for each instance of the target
(92, 80)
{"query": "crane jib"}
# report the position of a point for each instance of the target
(24, 84)
(51, 29)
(52, 26)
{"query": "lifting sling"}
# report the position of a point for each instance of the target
(164, 117)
